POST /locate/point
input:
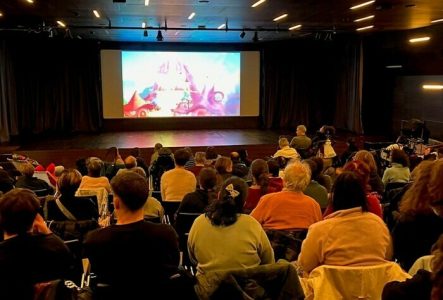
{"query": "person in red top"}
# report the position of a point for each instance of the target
(260, 185)
(362, 171)
(289, 209)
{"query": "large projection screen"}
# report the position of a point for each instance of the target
(138, 84)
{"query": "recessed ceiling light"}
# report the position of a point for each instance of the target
(280, 17)
(30, 1)
(258, 3)
(420, 39)
(295, 27)
(394, 67)
(437, 21)
(362, 4)
(143, 24)
(1, 14)
(61, 23)
(364, 19)
(191, 16)
(96, 13)
(146, 2)
(221, 26)
(433, 87)
(365, 28)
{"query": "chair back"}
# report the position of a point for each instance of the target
(344, 282)
(102, 198)
(170, 209)
(286, 243)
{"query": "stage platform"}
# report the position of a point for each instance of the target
(66, 150)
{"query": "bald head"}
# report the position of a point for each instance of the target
(130, 162)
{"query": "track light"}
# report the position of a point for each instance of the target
(159, 36)
(255, 38)
(242, 34)
(145, 33)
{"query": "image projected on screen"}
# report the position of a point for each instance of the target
(180, 84)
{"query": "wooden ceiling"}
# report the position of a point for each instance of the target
(123, 21)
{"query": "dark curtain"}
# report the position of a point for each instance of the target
(57, 86)
(311, 83)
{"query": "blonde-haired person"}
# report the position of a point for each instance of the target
(94, 180)
(421, 216)
(374, 179)
(289, 209)
(285, 151)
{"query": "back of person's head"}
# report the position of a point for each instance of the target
(69, 182)
(157, 147)
(211, 153)
(223, 165)
(301, 129)
(348, 192)
(320, 163)
(207, 178)
(283, 142)
(315, 170)
(297, 176)
(189, 151)
(360, 169)
(232, 196)
(235, 157)
(417, 198)
(260, 173)
(27, 169)
(131, 188)
(400, 157)
(164, 151)
(139, 171)
(80, 165)
(94, 165)
(282, 162)
(181, 157)
(200, 158)
(130, 162)
(273, 167)
(58, 170)
(18, 209)
(243, 154)
(368, 158)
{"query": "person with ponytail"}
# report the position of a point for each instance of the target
(224, 238)
(260, 185)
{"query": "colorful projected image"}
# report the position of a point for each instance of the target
(178, 84)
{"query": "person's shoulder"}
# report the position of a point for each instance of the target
(248, 220)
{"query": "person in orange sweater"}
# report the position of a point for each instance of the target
(289, 209)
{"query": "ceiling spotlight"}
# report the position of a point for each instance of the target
(255, 38)
(1, 14)
(30, 1)
(257, 3)
(242, 34)
(420, 39)
(280, 17)
(362, 5)
(96, 13)
(437, 21)
(143, 24)
(364, 19)
(295, 27)
(159, 36)
(222, 26)
(191, 16)
(365, 28)
(61, 23)
(145, 33)
(146, 2)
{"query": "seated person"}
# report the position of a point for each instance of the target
(176, 183)
(399, 170)
(375, 183)
(224, 238)
(285, 151)
(223, 166)
(154, 155)
(315, 190)
(93, 180)
(274, 180)
(260, 185)
(301, 141)
(239, 168)
(163, 163)
(289, 209)
(350, 236)
(28, 181)
(30, 253)
(81, 208)
(200, 159)
(134, 257)
(6, 181)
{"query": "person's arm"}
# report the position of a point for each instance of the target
(259, 212)
(310, 254)
(385, 178)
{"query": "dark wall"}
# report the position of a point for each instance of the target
(392, 95)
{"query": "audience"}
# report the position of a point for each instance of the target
(154, 155)
(176, 183)
(301, 141)
(275, 181)
(374, 179)
(285, 151)
(94, 180)
(260, 185)
(200, 159)
(27, 181)
(223, 166)
(248, 244)
(399, 170)
(30, 253)
(6, 181)
(163, 163)
(421, 216)
(348, 237)
(132, 253)
(289, 209)
(315, 190)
